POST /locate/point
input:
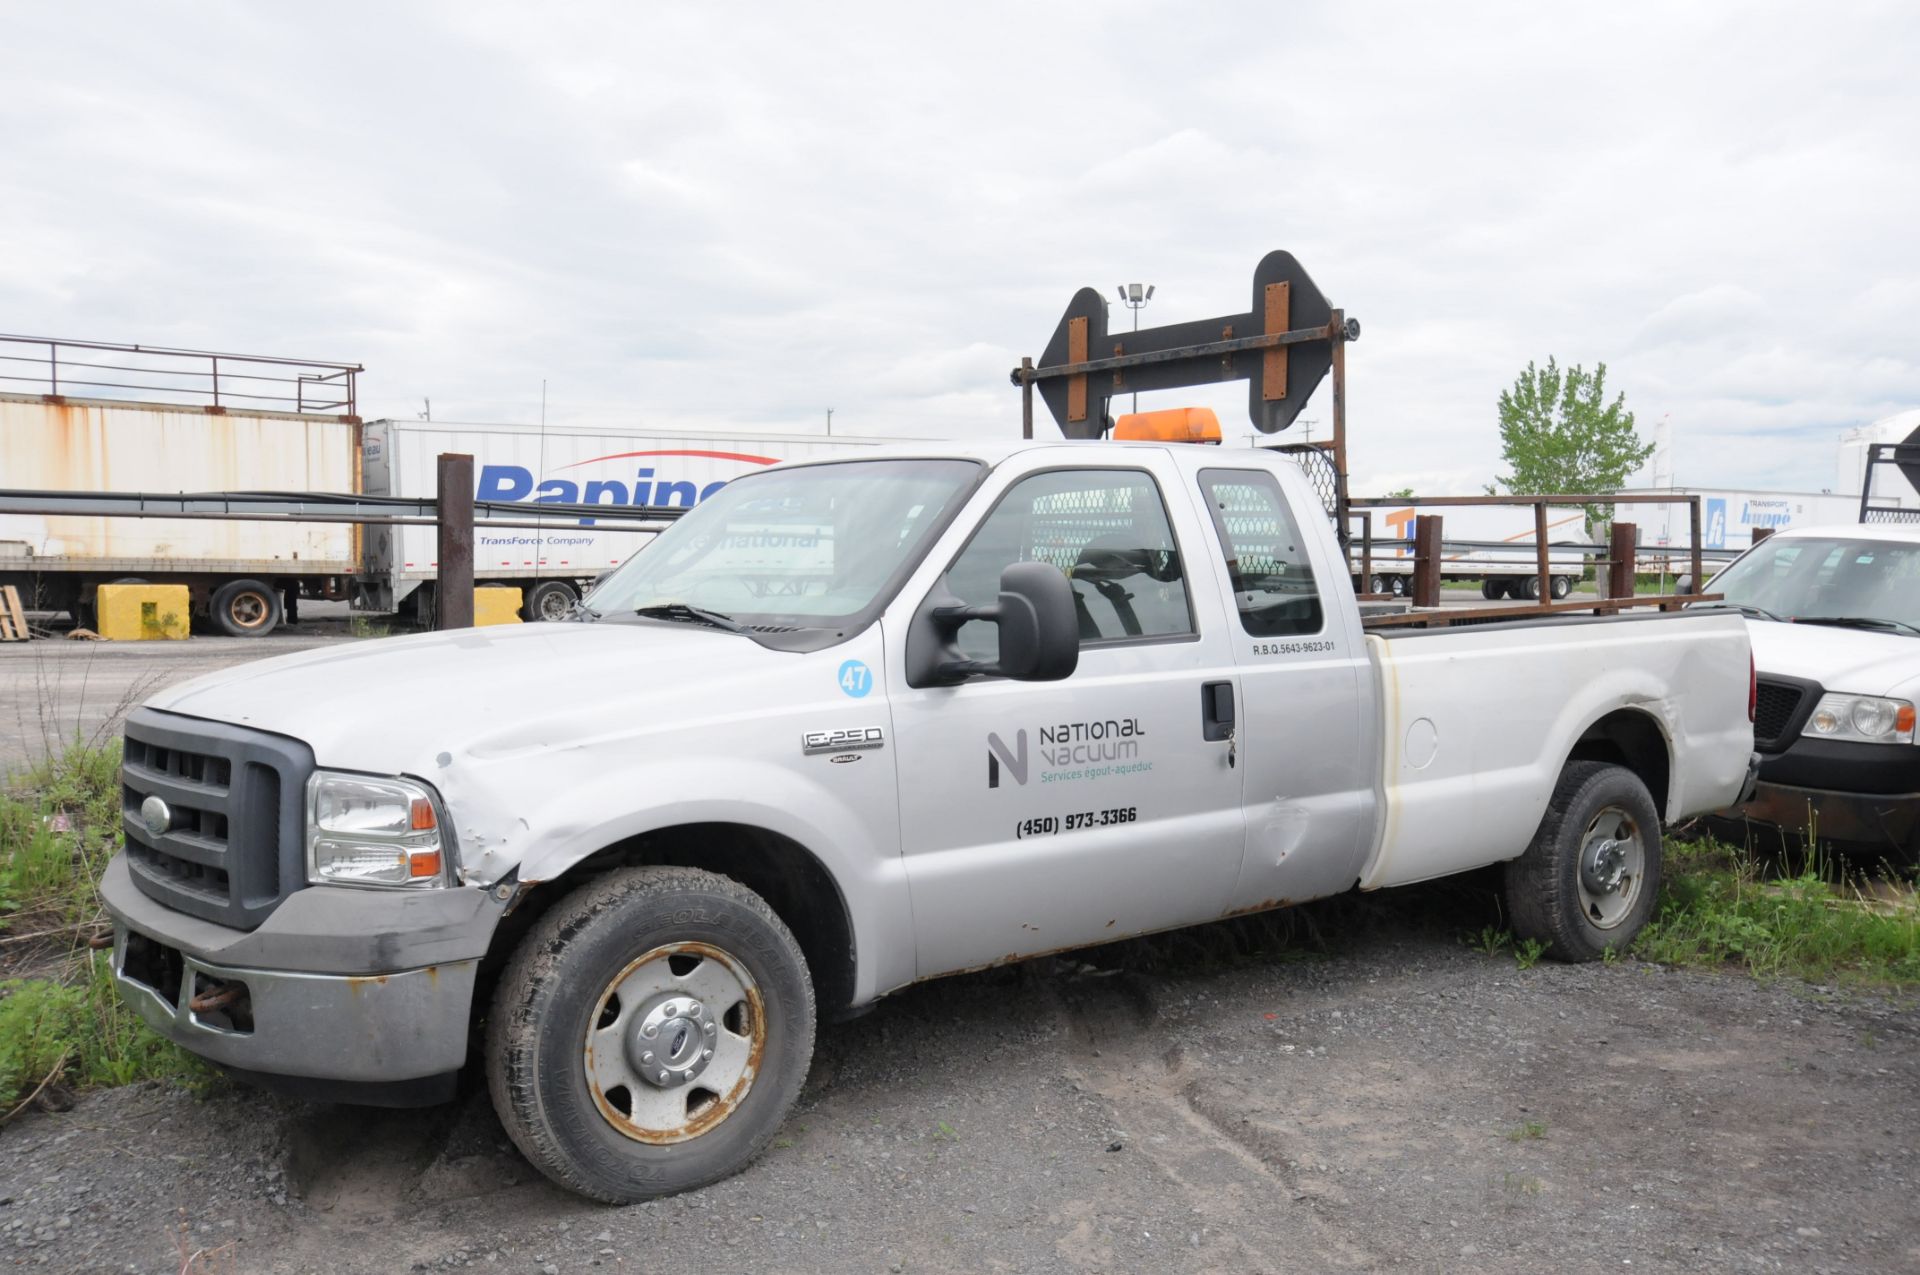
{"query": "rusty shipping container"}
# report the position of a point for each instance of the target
(99, 445)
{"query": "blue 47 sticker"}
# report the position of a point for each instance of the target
(856, 679)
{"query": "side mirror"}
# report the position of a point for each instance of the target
(1039, 631)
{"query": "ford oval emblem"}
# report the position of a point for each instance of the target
(154, 814)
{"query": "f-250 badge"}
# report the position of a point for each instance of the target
(839, 741)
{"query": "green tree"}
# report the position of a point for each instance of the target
(1400, 493)
(1559, 433)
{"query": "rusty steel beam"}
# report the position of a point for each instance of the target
(1426, 560)
(454, 587)
(1622, 542)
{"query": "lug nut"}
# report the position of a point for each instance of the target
(707, 1054)
(663, 1077)
(646, 1059)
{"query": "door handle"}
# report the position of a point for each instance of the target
(1216, 711)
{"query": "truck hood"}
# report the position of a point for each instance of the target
(400, 705)
(1855, 661)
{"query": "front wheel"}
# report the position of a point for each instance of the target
(650, 1034)
(1562, 586)
(1591, 876)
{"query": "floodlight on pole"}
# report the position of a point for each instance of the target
(1135, 297)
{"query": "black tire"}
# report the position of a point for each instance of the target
(1397, 586)
(1562, 586)
(1491, 590)
(549, 600)
(1527, 588)
(245, 608)
(556, 987)
(1545, 896)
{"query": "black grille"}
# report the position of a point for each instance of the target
(230, 849)
(1776, 706)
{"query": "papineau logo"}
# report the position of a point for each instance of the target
(517, 483)
(1068, 744)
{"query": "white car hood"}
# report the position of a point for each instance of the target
(396, 704)
(1857, 661)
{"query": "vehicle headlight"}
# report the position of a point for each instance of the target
(1861, 718)
(363, 830)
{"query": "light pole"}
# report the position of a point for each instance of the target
(1135, 297)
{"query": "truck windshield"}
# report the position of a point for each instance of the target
(1870, 584)
(805, 548)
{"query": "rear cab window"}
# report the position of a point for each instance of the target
(1267, 559)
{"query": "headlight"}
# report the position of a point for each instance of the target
(1861, 718)
(367, 831)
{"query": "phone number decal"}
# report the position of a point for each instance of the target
(1290, 648)
(1048, 825)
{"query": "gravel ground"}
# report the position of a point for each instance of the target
(1404, 1103)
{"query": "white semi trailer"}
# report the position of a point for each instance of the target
(535, 466)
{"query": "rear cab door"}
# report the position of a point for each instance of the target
(1037, 816)
(1307, 726)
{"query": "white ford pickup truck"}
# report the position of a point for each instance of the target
(847, 726)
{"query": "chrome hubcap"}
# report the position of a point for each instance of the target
(672, 1043)
(1612, 863)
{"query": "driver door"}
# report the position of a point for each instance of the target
(1037, 816)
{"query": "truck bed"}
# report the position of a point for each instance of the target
(1476, 721)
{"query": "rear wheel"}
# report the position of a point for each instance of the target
(1590, 879)
(1491, 590)
(549, 600)
(1378, 584)
(1562, 586)
(245, 608)
(650, 1034)
(1527, 587)
(1397, 586)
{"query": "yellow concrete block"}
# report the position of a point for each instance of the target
(496, 606)
(142, 612)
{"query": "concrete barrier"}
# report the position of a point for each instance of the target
(142, 612)
(493, 605)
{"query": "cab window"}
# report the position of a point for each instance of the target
(1107, 530)
(1273, 585)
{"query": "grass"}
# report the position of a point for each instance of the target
(61, 1022)
(1723, 907)
(1527, 1131)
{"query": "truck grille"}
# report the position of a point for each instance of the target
(229, 848)
(1776, 708)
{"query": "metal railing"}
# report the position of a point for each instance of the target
(177, 378)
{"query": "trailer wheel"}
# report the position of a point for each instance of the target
(245, 608)
(1562, 586)
(650, 1033)
(1591, 876)
(549, 600)
(1377, 584)
(1397, 586)
(1491, 590)
(1527, 588)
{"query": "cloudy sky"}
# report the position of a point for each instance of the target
(739, 216)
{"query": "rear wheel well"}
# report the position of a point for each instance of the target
(794, 883)
(1629, 738)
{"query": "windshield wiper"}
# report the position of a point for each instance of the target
(1856, 622)
(686, 612)
(1762, 612)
